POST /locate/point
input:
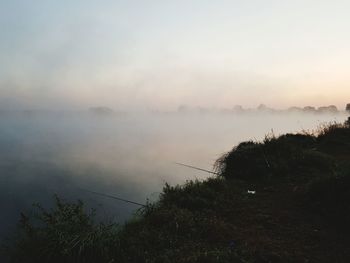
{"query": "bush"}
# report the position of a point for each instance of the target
(65, 233)
(334, 139)
(288, 157)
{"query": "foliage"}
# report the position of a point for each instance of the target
(66, 233)
(286, 158)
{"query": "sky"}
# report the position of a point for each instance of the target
(160, 54)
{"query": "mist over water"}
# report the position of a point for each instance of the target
(130, 155)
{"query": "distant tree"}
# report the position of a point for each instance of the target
(238, 108)
(203, 110)
(347, 108)
(295, 109)
(101, 110)
(331, 108)
(309, 109)
(183, 108)
(262, 107)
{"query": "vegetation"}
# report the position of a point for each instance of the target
(66, 233)
(285, 199)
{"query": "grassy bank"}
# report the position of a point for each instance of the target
(297, 210)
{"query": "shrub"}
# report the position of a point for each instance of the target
(334, 139)
(288, 157)
(66, 233)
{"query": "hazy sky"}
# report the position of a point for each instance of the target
(160, 54)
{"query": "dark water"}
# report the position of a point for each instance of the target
(131, 156)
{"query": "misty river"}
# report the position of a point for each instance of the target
(131, 155)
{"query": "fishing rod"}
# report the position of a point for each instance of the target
(264, 155)
(139, 204)
(197, 168)
(114, 197)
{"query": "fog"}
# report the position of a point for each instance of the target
(127, 155)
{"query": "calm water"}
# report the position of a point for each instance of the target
(131, 156)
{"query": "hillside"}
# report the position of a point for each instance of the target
(285, 199)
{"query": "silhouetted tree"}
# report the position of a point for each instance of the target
(309, 109)
(330, 109)
(347, 108)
